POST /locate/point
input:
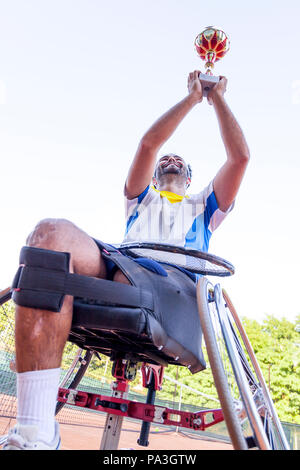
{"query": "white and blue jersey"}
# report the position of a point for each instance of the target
(164, 217)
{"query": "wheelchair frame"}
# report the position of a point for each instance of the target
(253, 403)
(118, 407)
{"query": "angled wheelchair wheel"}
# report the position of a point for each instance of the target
(213, 343)
(5, 295)
(248, 409)
(75, 373)
(267, 412)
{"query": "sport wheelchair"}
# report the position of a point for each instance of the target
(136, 332)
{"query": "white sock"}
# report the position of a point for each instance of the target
(37, 395)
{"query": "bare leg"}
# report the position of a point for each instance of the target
(41, 335)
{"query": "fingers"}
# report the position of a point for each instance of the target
(194, 75)
(223, 80)
(194, 85)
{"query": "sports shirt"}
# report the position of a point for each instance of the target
(165, 217)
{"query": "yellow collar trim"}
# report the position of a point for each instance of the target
(172, 197)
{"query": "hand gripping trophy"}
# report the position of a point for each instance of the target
(211, 45)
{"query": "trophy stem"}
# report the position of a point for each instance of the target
(210, 58)
(209, 66)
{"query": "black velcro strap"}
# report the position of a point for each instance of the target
(100, 290)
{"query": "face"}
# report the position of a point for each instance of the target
(171, 164)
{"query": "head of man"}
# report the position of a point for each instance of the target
(172, 173)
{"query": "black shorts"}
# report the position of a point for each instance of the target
(174, 321)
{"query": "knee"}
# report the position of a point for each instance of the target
(49, 233)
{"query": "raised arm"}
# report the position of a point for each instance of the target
(142, 167)
(228, 179)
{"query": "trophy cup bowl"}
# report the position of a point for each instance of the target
(211, 45)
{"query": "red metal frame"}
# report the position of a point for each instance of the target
(200, 420)
(147, 370)
(152, 413)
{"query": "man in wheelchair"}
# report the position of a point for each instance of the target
(160, 213)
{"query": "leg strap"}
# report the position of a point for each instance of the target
(43, 279)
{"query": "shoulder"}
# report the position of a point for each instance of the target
(203, 195)
(144, 199)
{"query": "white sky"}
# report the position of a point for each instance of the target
(82, 80)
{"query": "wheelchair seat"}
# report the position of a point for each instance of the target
(133, 334)
(154, 319)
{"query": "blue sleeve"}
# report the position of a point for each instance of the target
(143, 194)
(210, 209)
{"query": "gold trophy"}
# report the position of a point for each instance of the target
(211, 45)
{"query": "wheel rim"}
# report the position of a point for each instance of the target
(272, 428)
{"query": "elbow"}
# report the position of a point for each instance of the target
(245, 154)
(242, 158)
(239, 162)
(145, 143)
(149, 142)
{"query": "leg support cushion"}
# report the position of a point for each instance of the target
(43, 279)
(34, 265)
